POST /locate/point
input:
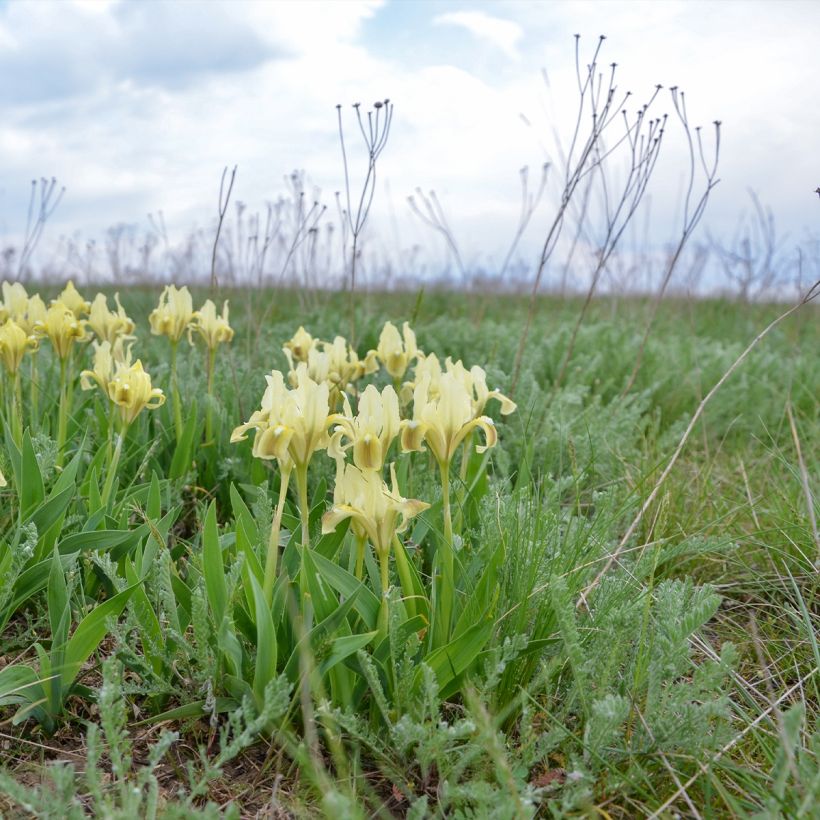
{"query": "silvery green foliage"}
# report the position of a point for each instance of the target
(245, 724)
(262, 509)
(111, 784)
(794, 776)
(447, 763)
(641, 646)
(605, 725)
(13, 559)
(45, 449)
(203, 659)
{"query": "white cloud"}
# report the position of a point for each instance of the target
(138, 110)
(503, 34)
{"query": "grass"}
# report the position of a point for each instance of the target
(688, 685)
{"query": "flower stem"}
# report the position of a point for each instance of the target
(34, 387)
(209, 410)
(17, 410)
(272, 559)
(411, 600)
(175, 391)
(466, 451)
(112, 417)
(112, 467)
(304, 504)
(361, 544)
(446, 578)
(62, 411)
(384, 572)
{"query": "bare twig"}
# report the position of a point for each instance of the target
(224, 199)
(375, 129)
(580, 157)
(43, 201)
(644, 137)
(753, 261)
(804, 480)
(434, 216)
(691, 216)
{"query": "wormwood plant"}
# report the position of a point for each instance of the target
(123, 789)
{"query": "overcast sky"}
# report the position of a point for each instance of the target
(137, 106)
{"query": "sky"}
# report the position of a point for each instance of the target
(136, 107)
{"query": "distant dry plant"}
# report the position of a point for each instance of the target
(43, 201)
(598, 107)
(297, 224)
(428, 209)
(222, 209)
(693, 209)
(600, 104)
(375, 130)
(754, 260)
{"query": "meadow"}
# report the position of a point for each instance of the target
(399, 586)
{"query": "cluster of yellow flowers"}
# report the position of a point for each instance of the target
(175, 314)
(126, 385)
(70, 319)
(309, 409)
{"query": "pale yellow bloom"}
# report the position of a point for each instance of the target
(2, 479)
(371, 431)
(300, 345)
(173, 314)
(14, 343)
(131, 391)
(394, 352)
(71, 298)
(62, 328)
(109, 325)
(376, 510)
(106, 357)
(335, 363)
(426, 367)
(15, 301)
(35, 312)
(444, 421)
(291, 424)
(475, 380)
(212, 328)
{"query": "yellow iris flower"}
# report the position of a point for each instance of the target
(377, 511)
(62, 327)
(213, 329)
(15, 301)
(444, 421)
(173, 314)
(475, 380)
(335, 363)
(428, 367)
(106, 357)
(35, 312)
(70, 297)
(395, 352)
(369, 433)
(131, 391)
(291, 424)
(109, 325)
(300, 345)
(14, 343)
